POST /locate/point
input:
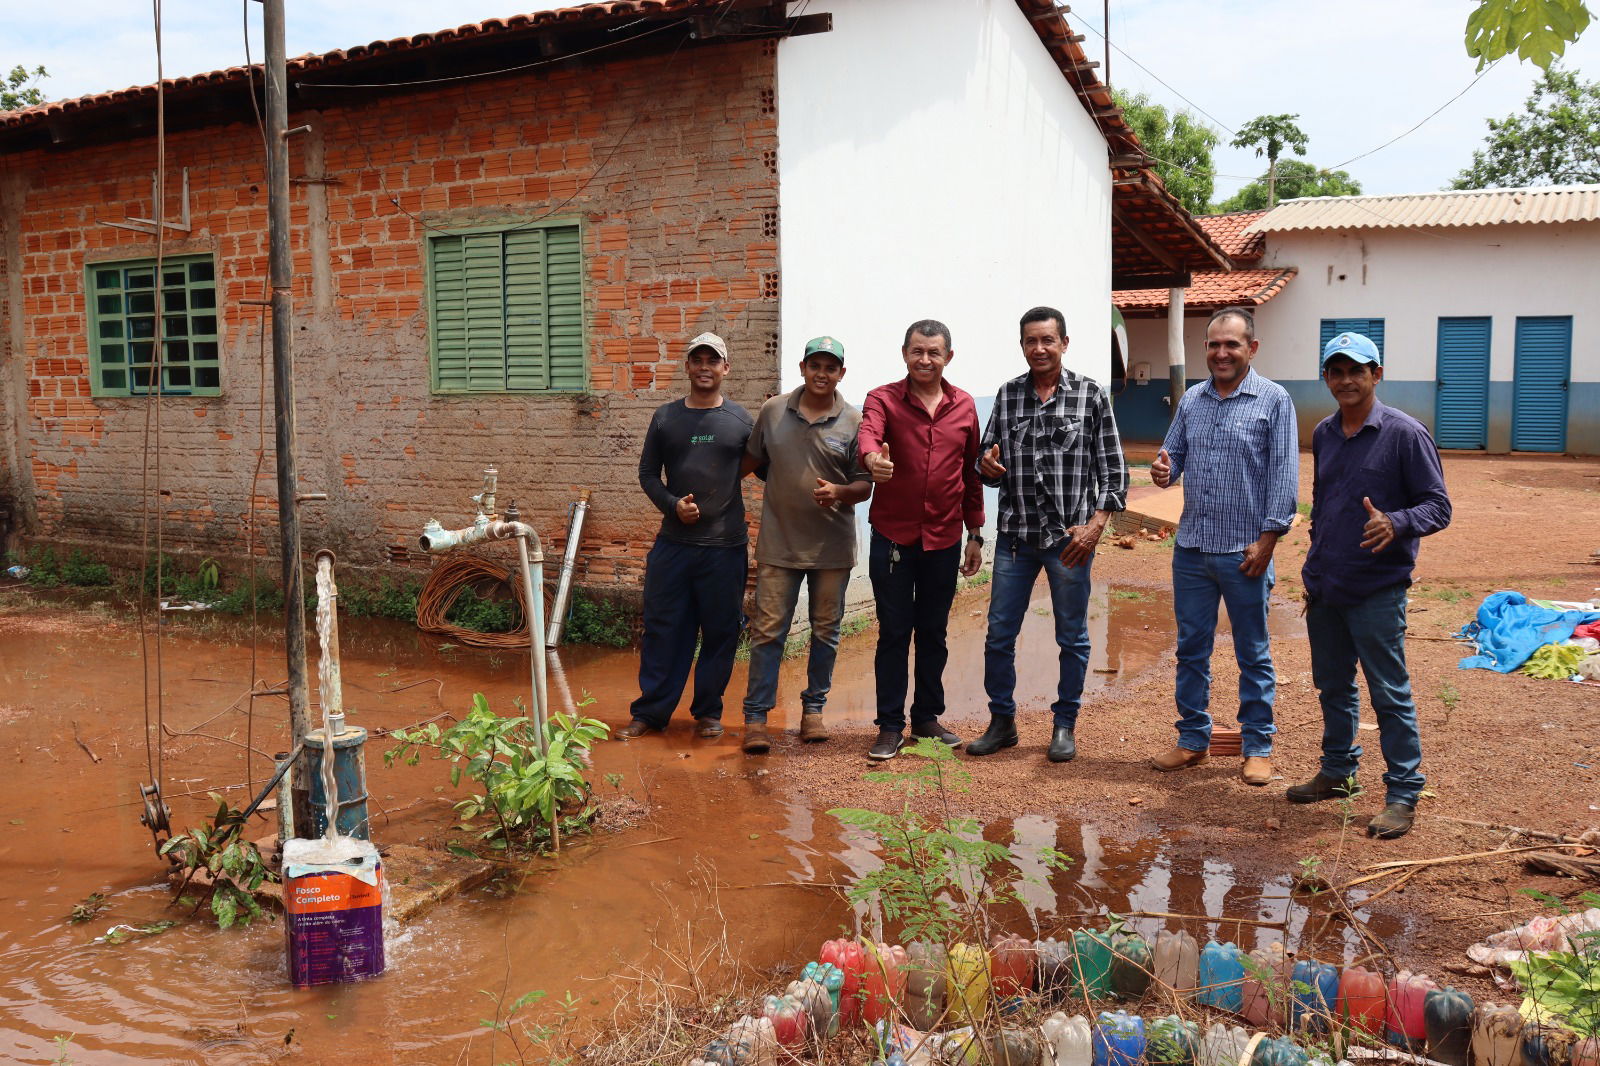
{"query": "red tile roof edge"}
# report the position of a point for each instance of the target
(1212, 290)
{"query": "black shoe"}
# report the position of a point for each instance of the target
(635, 729)
(1002, 733)
(1393, 821)
(1062, 747)
(1322, 787)
(708, 727)
(887, 746)
(932, 728)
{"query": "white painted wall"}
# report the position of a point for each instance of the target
(934, 163)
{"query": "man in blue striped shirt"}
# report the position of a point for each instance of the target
(1235, 436)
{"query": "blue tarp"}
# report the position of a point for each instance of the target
(1508, 629)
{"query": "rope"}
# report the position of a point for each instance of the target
(457, 572)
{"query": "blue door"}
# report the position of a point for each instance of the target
(1461, 413)
(1539, 385)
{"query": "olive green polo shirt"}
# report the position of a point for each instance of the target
(795, 532)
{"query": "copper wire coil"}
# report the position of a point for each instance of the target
(457, 572)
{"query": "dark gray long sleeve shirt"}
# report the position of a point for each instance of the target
(699, 449)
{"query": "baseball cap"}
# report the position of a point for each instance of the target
(825, 345)
(708, 340)
(1351, 346)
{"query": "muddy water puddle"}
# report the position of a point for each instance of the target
(725, 868)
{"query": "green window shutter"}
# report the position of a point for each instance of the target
(121, 299)
(484, 313)
(564, 258)
(527, 348)
(449, 315)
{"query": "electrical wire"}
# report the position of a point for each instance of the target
(1123, 52)
(1431, 115)
(446, 583)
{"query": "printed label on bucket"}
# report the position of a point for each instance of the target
(334, 927)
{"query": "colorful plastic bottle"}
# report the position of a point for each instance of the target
(1069, 1039)
(967, 971)
(851, 961)
(1402, 1025)
(894, 1058)
(1132, 963)
(958, 1047)
(1177, 962)
(1221, 976)
(1547, 1045)
(925, 984)
(1363, 1000)
(1011, 969)
(1496, 1036)
(1091, 960)
(1313, 1004)
(754, 1042)
(1015, 1047)
(1054, 959)
(1278, 1051)
(1222, 1045)
(1171, 1041)
(791, 1023)
(1447, 1018)
(884, 985)
(1118, 1039)
(1266, 987)
(818, 1002)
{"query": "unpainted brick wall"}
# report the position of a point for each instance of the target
(670, 168)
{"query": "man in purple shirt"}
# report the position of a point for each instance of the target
(1377, 489)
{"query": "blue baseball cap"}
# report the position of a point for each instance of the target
(1351, 346)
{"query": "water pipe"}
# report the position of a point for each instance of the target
(530, 555)
(330, 686)
(569, 562)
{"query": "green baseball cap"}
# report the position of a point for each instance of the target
(825, 345)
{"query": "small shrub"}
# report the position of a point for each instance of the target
(386, 599)
(234, 864)
(598, 622)
(482, 614)
(44, 569)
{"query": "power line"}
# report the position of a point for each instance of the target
(1431, 115)
(1123, 52)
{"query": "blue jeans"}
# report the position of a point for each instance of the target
(692, 592)
(914, 597)
(1199, 580)
(1016, 569)
(1373, 633)
(777, 592)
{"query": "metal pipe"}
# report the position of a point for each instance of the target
(330, 688)
(280, 275)
(533, 594)
(569, 562)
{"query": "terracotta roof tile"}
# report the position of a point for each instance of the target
(1229, 231)
(1211, 290)
(1455, 207)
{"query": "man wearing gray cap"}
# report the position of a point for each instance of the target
(695, 574)
(1378, 488)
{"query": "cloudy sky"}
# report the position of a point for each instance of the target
(1358, 72)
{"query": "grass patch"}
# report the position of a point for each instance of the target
(1303, 509)
(1132, 595)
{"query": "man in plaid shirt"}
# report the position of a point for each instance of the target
(1052, 448)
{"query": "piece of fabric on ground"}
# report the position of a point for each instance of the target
(1508, 629)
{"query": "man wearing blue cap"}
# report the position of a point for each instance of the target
(1378, 488)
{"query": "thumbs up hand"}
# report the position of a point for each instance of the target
(1161, 469)
(826, 494)
(989, 463)
(878, 464)
(688, 511)
(1378, 533)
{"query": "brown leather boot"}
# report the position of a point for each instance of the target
(756, 738)
(1178, 759)
(1257, 769)
(811, 728)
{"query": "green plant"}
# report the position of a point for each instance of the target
(82, 571)
(532, 1042)
(1449, 695)
(523, 789)
(44, 569)
(483, 614)
(209, 574)
(1563, 985)
(233, 864)
(63, 1048)
(1303, 508)
(88, 908)
(386, 599)
(597, 622)
(982, 577)
(1133, 595)
(939, 878)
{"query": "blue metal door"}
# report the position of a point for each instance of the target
(1539, 385)
(1461, 412)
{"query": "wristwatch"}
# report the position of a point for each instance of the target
(978, 537)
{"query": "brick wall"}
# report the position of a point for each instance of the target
(670, 166)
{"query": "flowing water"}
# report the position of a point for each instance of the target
(725, 863)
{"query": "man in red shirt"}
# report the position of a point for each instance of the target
(919, 441)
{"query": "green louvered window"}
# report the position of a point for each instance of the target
(121, 301)
(507, 309)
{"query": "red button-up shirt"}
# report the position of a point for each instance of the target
(935, 488)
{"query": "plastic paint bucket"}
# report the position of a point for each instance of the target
(333, 910)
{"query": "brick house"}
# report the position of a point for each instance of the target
(505, 232)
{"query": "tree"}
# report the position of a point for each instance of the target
(1180, 145)
(1295, 178)
(1537, 30)
(1556, 141)
(1269, 135)
(15, 92)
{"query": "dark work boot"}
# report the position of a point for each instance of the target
(1393, 821)
(1321, 788)
(1002, 733)
(1062, 746)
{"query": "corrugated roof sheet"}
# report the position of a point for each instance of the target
(1211, 290)
(1229, 232)
(1465, 207)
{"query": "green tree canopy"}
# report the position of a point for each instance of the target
(1556, 141)
(1537, 30)
(1179, 143)
(1269, 135)
(1295, 178)
(15, 92)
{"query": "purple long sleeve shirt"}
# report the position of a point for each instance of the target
(1393, 462)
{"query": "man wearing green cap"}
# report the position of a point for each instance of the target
(805, 442)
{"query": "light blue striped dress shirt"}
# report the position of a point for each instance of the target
(1240, 460)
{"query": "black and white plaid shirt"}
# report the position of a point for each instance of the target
(1063, 457)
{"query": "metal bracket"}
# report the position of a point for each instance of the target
(149, 225)
(157, 816)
